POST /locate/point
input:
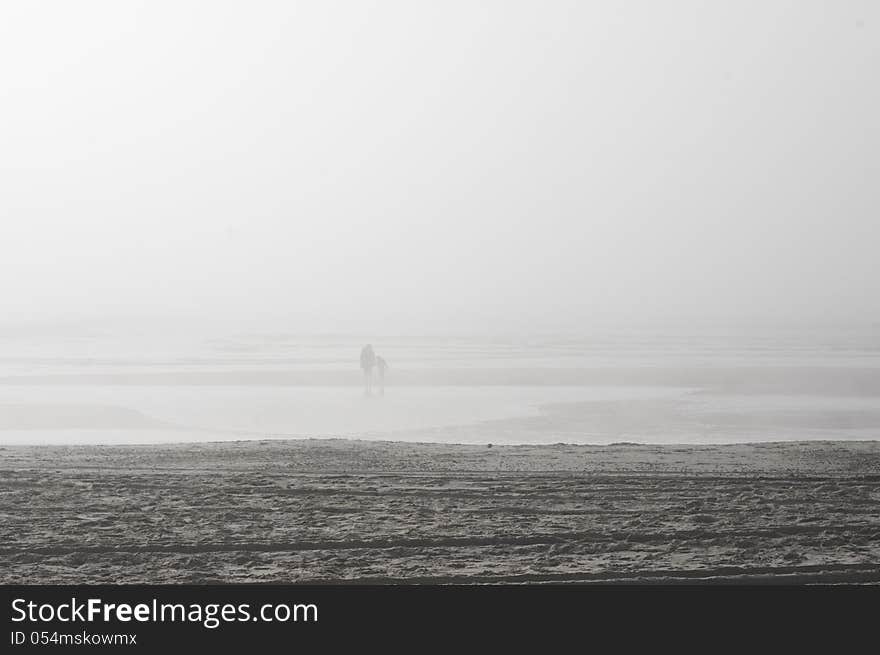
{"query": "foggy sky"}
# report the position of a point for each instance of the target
(394, 166)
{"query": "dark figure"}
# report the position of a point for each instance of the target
(381, 366)
(368, 361)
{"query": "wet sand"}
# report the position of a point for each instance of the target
(357, 511)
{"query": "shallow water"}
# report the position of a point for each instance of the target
(101, 388)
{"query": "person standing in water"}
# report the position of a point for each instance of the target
(368, 361)
(381, 367)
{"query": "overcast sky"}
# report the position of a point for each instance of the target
(397, 166)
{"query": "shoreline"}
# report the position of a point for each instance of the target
(320, 454)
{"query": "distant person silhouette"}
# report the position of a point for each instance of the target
(381, 366)
(368, 361)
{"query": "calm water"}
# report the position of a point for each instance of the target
(707, 388)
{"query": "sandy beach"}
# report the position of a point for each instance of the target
(330, 511)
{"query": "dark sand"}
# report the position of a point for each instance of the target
(356, 511)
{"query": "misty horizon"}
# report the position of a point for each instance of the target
(514, 166)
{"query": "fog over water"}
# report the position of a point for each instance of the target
(400, 167)
(560, 221)
(610, 388)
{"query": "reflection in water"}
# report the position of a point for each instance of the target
(598, 390)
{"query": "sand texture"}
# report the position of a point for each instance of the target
(356, 511)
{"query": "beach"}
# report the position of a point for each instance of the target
(260, 459)
(501, 319)
(349, 511)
